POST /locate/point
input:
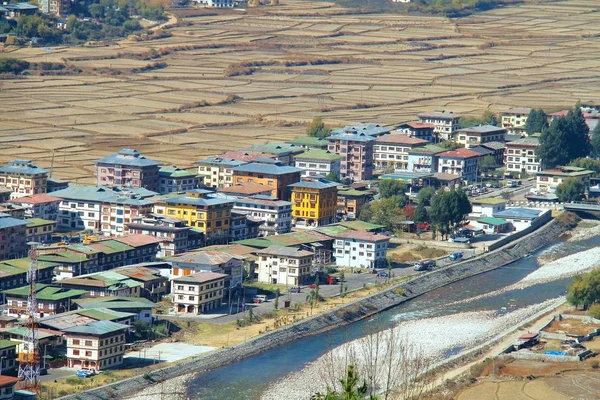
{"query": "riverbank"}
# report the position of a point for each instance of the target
(339, 317)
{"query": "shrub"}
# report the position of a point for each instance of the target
(400, 292)
(594, 311)
(594, 364)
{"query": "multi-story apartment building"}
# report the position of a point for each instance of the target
(40, 230)
(390, 152)
(208, 214)
(284, 265)
(198, 293)
(314, 202)
(462, 162)
(13, 238)
(318, 162)
(104, 284)
(217, 172)
(424, 159)
(446, 124)
(351, 201)
(360, 249)
(23, 178)
(514, 120)
(269, 173)
(14, 272)
(50, 300)
(282, 152)
(127, 168)
(231, 265)
(548, 179)
(247, 189)
(242, 227)
(172, 232)
(417, 130)
(118, 212)
(12, 210)
(97, 345)
(478, 135)
(7, 362)
(520, 156)
(173, 179)
(154, 285)
(275, 215)
(39, 205)
(356, 149)
(139, 306)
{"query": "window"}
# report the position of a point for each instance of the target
(191, 298)
(88, 343)
(75, 352)
(88, 353)
(75, 342)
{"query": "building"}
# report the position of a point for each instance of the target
(12, 210)
(198, 293)
(23, 178)
(105, 283)
(368, 129)
(310, 142)
(522, 218)
(242, 227)
(13, 238)
(13, 273)
(514, 120)
(215, 3)
(487, 207)
(491, 225)
(390, 152)
(59, 322)
(18, 9)
(50, 300)
(210, 261)
(173, 179)
(318, 162)
(97, 345)
(356, 149)
(217, 171)
(247, 189)
(478, 135)
(314, 202)
(424, 159)
(127, 168)
(418, 130)
(7, 383)
(40, 230)
(5, 194)
(462, 162)
(548, 179)
(210, 215)
(360, 249)
(140, 307)
(154, 284)
(521, 156)
(55, 8)
(280, 265)
(39, 205)
(351, 201)
(101, 209)
(275, 216)
(7, 363)
(445, 124)
(173, 233)
(282, 152)
(275, 175)
(498, 149)
(71, 260)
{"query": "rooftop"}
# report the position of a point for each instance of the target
(359, 225)
(482, 150)
(318, 154)
(269, 169)
(489, 200)
(518, 110)
(352, 136)
(128, 157)
(442, 176)
(483, 129)
(204, 257)
(459, 153)
(285, 251)
(35, 222)
(363, 236)
(247, 188)
(245, 156)
(8, 380)
(427, 149)
(46, 292)
(82, 317)
(276, 148)
(114, 302)
(416, 125)
(528, 141)
(315, 184)
(100, 194)
(406, 175)
(560, 171)
(197, 201)
(494, 145)
(398, 138)
(493, 221)
(366, 129)
(286, 239)
(5, 344)
(10, 222)
(174, 172)
(439, 115)
(518, 212)
(22, 166)
(137, 240)
(97, 328)
(309, 141)
(201, 277)
(221, 160)
(40, 198)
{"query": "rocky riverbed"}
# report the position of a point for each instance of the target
(170, 389)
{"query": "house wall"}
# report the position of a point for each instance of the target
(197, 298)
(283, 270)
(95, 352)
(354, 253)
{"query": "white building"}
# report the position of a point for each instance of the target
(514, 120)
(217, 172)
(39, 205)
(522, 218)
(391, 151)
(424, 159)
(209, 261)
(446, 123)
(417, 130)
(276, 215)
(478, 135)
(487, 207)
(548, 179)
(318, 162)
(284, 265)
(198, 293)
(360, 249)
(462, 162)
(520, 156)
(97, 345)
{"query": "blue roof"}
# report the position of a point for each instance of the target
(22, 167)
(105, 194)
(216, 160)
(367, 129)
(8, 222)
(128, 157)
(21, 6)
(267, 169)
(354, 136)
(276, 148)
(315, 184)
(518, 212)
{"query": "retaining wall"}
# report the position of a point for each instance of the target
(527, 355)
(344, 315)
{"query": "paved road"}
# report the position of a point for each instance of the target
(58, 373)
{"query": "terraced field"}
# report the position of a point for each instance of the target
(234, 78)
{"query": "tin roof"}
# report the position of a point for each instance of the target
(363, 236)
(398, 138)
(22, 166)
(247, 188)
(366, 129)
(459, 153)
(201, 277)
(97, 328)
(221, 160)
(315, 184)
(493, 221)
(489, 200)
(82, 317)
(483, 130)
(35, 222)
(439, 115)
(276, 148)
(518, 110)
(138, 240)
(174, 172)
(128, 157)
(269, 169)
(318, 154)
(105, 194)
(285, 251)
(45, 292)
(115, 302)
(10, 222)
(40, 198)
(416, 125)
(518, 212)
(204, 257)
(427, 149)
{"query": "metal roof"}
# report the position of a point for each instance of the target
(217, 160)
(276, 148)
(115, 302)
(208, 258)
(38, 198)
(45, 292)
(9, 222)
(483, 129)
(315, 184)
(35, 222)
(128, 157)
(174, 172)
(440, 115)
(197, 201)
(364, 236)
(269, 169)
(22, 167)
(399, 138)
(97, 328)
(106, 194)
(318, 154)
(201, 277)
(493, 221)
(368, 129)
(285, 251)
(518, 212)
(352, 136)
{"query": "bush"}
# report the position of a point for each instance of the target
(594, 364)
(400, 292)
(594, 311)
(13, 66)
(75, 380)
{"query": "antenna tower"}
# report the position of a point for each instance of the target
(29, 358)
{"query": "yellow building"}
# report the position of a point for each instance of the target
(207, 214)
(314, 202)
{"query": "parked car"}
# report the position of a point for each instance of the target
(295, 289)
(85, 373)
(424, 265)
(312, 286)
(259, 298)
(456, 256)
(332, 280)
(383, 274)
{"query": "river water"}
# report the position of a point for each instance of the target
(248, 379)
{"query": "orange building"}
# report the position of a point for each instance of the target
(270, 173)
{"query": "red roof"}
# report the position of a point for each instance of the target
(362, 235)
(8, 380)
(460, 153)
(419, 125)
(36, 199)
(137, 240)
(398, 138)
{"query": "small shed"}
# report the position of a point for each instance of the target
(492, 225)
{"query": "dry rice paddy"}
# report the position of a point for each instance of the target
(382, 68)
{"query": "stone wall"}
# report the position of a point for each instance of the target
(344, 315)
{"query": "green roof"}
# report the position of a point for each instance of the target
(20, 266)
(332, 230)
(61, 257)
(25, 332)
(97, 328)
(490, 200)
(5, 344)
(286, 239)
(102, 314)
(111, 246)
(353, 192)
(309, 141)
(318, 154)
(174, 172)
(113, 302)
(493, 221)
(35, 222)
(45, 292)
(360, 225)
(427, 149)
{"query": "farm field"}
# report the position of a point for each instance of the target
(235, 78)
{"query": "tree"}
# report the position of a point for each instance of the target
(584, 290)
(571, 189)
(395, 190)
(587, 163)
(317, 128)
(383, 212)
(424, 196)
(449, 145)
(448, 210)
(350, 388)
(276, 301)
(487, 164)
(420, 214)
(487, 118)
(537, 122)
(141, 329)
(333, 177)
(595, 142)
(13, 66)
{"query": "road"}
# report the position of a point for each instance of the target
(519, 191)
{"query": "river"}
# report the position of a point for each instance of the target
(249, 378)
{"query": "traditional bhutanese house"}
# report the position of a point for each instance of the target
(141, 307)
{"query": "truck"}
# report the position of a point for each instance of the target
(456, 256)
(424, 265)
